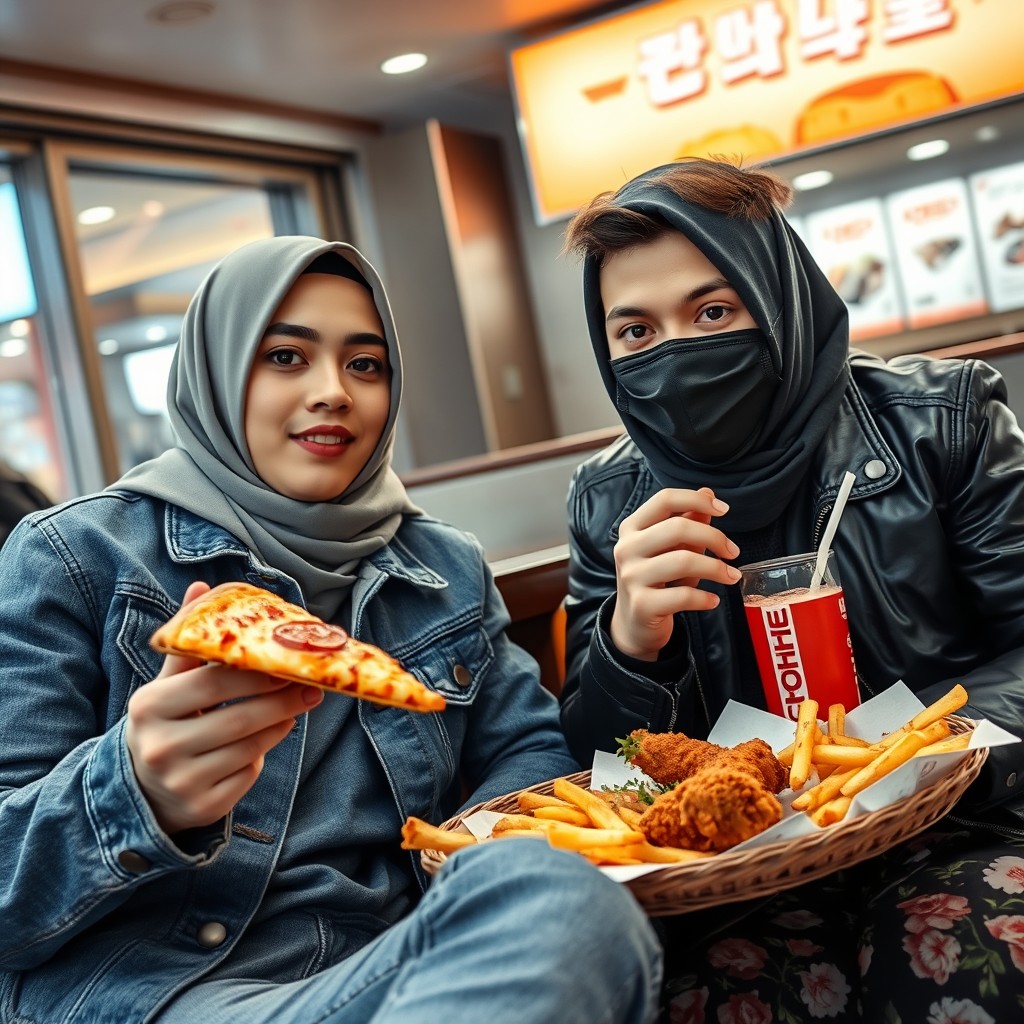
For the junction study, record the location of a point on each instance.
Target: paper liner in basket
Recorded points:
(739, 722)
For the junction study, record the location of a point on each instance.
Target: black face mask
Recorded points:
(708, 396)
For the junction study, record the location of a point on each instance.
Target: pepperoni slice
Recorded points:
(310, 636)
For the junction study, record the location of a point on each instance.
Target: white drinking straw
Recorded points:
(830, 530)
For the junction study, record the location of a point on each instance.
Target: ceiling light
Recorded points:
(18, 328)
(96, 215)
(812, 179)
(987, 133)
(928, 150)
(13, 347)
(108, 346)
(403, 63)
(156, 333)
(153, 208)
(181, 12)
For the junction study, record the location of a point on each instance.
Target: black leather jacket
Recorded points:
(930, 553)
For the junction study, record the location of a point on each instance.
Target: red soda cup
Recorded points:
(800, 633)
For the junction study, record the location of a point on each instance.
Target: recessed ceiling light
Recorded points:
(812, 179)
(928, 150)
(18, 328)
(180, 12)
(13, 347)
(96, 215)
(987, 133)
(156, 333)
(108, 346)
(152, 208)
(403, 63)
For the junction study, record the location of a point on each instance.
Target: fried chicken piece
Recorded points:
(712, 811)
(758, 758)
(670, 757)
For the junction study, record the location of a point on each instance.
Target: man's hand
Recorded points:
(198, 734)
(659, 561)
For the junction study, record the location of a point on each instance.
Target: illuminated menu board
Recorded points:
(851, 245)
(936, 253)
(756, 79)
(998, 197)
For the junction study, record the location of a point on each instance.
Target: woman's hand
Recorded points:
(659, 561)
(198, 734)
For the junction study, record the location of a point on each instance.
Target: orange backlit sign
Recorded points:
(752, 78)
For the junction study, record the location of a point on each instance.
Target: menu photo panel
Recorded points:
(998, 197)
(936, 253)
(852, 247)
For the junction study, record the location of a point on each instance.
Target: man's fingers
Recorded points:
(675, 567)
(676, 501)
(676, 534)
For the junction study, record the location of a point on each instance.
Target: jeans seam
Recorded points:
(354, 994)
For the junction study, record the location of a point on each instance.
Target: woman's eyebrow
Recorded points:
(292, 331)
(714, 285)
(286, 330)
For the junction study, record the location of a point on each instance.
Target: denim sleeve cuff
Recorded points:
(128, 836)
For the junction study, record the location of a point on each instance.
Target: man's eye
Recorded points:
(714, 313)
(636, 331)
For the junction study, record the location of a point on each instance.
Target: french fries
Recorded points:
(846, 765)
(607, 833)
(421, 835)
(803, 744)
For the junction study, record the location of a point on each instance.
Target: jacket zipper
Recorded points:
(819, 525)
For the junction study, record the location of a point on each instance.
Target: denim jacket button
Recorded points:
(133, 862)
(212, 934)
(462, 676)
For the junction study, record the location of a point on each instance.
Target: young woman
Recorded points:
(182, 841)
(726, 351)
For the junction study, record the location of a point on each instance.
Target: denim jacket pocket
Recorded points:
(135, 615)
(456, 664)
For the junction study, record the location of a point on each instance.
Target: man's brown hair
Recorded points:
(602, 227)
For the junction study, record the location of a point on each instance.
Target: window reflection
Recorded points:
(145, 244)
(28, 436)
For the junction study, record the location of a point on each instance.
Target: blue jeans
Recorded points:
(510, 931)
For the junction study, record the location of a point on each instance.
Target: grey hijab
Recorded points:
(210, 472)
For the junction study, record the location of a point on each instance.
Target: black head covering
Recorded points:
(805, 321)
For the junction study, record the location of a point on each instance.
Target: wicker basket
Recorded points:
(764, 870)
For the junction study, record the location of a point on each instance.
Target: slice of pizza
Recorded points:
(248, 627)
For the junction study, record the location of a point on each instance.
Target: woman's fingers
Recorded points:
(200, 687)
(170, 727)
(201, 790)
(175, 663)
(189, 731)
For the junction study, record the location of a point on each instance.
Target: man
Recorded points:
(726, 352)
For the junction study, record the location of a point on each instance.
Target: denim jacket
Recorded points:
(102, 913)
